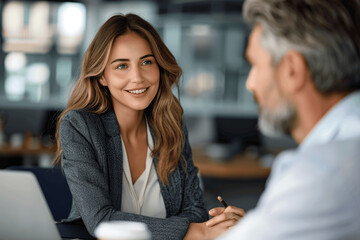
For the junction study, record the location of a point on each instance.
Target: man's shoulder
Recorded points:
(334, 149)
(321, 160)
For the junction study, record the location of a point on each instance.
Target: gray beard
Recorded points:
(278, 122)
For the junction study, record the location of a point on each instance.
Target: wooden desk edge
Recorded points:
(238, 167)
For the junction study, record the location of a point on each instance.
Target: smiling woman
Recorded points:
(131, 74)
(121, 140)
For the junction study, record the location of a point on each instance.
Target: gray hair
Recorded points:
(325, 32)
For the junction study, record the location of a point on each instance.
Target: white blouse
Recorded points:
(144, 196)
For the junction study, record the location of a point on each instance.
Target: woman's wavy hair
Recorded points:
(164, 113)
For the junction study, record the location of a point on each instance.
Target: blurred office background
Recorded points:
(41, 47)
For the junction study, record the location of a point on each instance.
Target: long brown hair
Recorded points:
(164, 113)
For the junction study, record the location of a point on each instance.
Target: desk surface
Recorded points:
(240, 166)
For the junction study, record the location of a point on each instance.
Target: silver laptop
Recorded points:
(24, 213)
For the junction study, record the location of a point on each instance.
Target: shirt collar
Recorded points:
(328, 126)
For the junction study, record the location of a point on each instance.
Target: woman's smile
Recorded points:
(138, 91)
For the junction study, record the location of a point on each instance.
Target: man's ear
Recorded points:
(293, 72)
(102, 81)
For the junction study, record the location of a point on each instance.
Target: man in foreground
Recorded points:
(305, 77)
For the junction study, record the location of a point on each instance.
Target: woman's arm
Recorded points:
(90, 187)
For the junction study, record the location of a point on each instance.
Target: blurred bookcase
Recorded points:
(40, 52)
(42, 44)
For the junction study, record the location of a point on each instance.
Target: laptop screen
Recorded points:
(24, 211)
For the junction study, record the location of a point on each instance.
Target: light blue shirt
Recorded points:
(313, 192)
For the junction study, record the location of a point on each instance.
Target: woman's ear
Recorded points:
(102, 81)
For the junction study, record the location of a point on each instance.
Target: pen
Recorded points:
(221, 200)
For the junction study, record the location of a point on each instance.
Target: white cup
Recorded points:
(122, 230)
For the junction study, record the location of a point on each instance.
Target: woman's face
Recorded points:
(131, 73)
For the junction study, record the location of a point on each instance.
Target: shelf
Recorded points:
(22, 151)
(212, 108)
(51, 103)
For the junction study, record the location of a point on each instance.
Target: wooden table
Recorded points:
(240, 166)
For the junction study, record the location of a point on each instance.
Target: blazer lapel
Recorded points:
(115, 161)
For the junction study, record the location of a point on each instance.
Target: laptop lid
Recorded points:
(24, 213)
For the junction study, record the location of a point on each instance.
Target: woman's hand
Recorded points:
(199, 231)
(227, 217)
(223, 219)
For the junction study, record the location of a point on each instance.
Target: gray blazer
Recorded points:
(92, 163)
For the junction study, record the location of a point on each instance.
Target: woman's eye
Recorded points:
(146, 62)
(122, 66)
